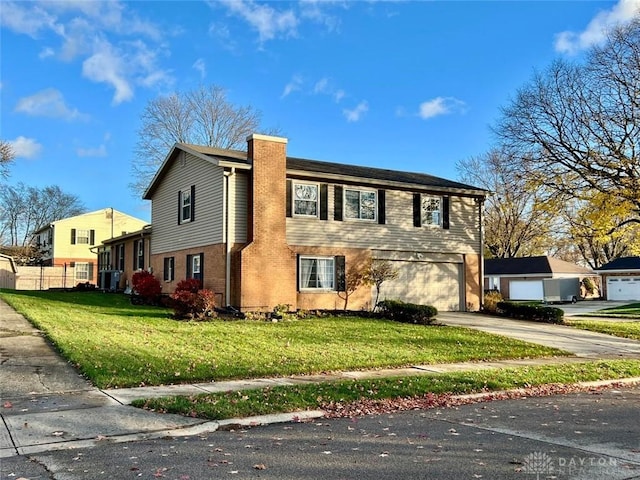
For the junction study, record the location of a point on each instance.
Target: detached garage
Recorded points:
(621, 278)
(432, 283)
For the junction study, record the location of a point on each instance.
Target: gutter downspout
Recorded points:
(229, 231)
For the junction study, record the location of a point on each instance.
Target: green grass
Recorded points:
(624, 311)
(116, 344)
(619, 329)
(280, 399)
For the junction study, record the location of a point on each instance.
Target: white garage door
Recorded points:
(623, 288)
(424, 283)
(526, 290)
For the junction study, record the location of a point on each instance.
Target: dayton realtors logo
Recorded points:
(539, 463)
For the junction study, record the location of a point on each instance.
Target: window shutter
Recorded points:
(288, 198)
(202, 270)
(445, 213)
(165, 271)
(141, 246)
(341, 282)
(189, 266)
(135, 255)
(72, 264)
(381, 207)
(92, 237)
(179, 207)
(337, 203)
(73, 236)
(90, 271)
(193, 203)
(417, 217)
(324, 200)
(298, 271)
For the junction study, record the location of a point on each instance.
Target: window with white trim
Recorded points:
(305, 199)
(360, 204)
(317, 273)
(82, 271)
(82, 236)
(431, 210)
(168, 271)
(185, 206)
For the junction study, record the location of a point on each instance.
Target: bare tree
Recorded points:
(7, 155)
(576, 127)
(24, 210)
(517, 222)
(380, 271)
(203, 117)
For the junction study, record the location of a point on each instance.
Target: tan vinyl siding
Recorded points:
(463, 235)
(240, 202)
(207, 229)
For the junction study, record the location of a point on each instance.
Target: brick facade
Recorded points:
(267, 265)
(472, 282)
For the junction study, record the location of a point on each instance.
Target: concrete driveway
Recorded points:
(587, 306)
(580, 342)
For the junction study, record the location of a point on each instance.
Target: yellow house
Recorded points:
(73, 241)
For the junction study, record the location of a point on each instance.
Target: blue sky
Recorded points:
(411, 86)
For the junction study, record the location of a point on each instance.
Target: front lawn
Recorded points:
(116, 344)
(619, 329)
(631, 310)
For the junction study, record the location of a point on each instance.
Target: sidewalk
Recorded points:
(46, 405)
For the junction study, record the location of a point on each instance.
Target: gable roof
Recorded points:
(624, 263)
(531, 265)
(111, 210)
(317, 169)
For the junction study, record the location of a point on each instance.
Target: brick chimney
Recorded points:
(267, 264)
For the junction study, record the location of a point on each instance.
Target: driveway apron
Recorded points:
(580, 342)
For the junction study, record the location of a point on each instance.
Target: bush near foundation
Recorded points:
(146, 288)
(189, 301)
(491, 300)
(536, 313)
(407, 312)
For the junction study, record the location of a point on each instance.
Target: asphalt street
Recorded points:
(578, 436)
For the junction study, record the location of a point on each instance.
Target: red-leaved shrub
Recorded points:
(192, 302)
(146, 287)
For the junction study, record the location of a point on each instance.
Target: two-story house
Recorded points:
(72, 241)
(262, 229)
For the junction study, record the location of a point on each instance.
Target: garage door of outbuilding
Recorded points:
(426, 283)
(526, 290)
(623, 288)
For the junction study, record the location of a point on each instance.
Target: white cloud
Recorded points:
(295, 84)
(115, 45)
(621, 13)
(269, 22)
(106, 66)
(356, 113)
(339, 95)
(29, 21)
(100, 151)
(321, 85)
(48, 103)
(441, 106)
(25, 147)
(201, 67)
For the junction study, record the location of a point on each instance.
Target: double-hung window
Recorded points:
(305, 199)
(185, 206)
(431, 210)
(82, 236)
(195, 266)
(317, 273)
(168, 271)
(360, 204)
(120, 257)
(82, 271)
(138, 254)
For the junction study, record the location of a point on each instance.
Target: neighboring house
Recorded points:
(72, 242)
(621, 279)
(120, 257)
(261, 229)
(521, 278)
